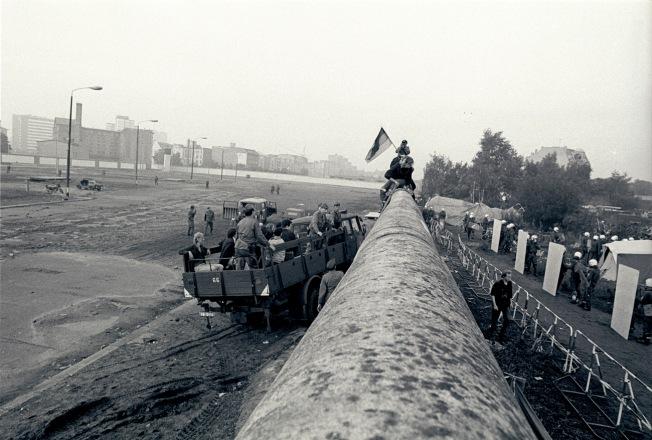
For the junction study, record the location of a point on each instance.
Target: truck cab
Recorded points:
(263, 208)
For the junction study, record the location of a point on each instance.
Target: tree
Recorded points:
(159, 157)
(5, 146)
(445, 178)
(496, 168)
(175, 160)
(616, 190)
(546, 192)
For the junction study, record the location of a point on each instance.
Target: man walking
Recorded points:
(209, 216)
(155, 180)
(501, 297)
(578, 277)
(191, 220)
(329, 282)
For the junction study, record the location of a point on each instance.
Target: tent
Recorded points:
(456, 208)
(636, 254)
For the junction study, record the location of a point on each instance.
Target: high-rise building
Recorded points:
(29, 129)
(122, 122)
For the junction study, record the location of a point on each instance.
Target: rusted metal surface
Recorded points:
(394, 354)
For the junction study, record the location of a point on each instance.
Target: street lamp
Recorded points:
(192, 159)
(70, 135)
(137, 138)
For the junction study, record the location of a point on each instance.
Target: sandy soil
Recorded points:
(177, 380)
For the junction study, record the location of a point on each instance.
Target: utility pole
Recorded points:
(222, 170)
(192, 160)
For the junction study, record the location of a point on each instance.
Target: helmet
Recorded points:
(511, 225)
(631, 239)
(503, 221)
(623, 239)
(614, 237)
(595, 237)
(602, 237)
(556, 229)
(472, 215)
(534, 237)
(648, 282)
(593, 262)
(577, 255)
(486, 215)
(586, 234)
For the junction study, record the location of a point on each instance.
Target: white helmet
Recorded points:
(472, 215)
(593, 262)
(631, 239)
(556, 229)
(602, 237)
(586, 234)
(648, 282)
(624, 239)
(577, 255)
(534, 237)
(595, 237)
(503, 221)
(486, 215)
(511, 225)
(614, 238)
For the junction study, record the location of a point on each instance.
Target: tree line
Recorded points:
(550, 194)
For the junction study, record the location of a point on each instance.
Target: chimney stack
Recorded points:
(78, 114)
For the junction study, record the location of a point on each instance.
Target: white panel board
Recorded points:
(495, 239)
(626, 285)
(519, 265)
(553, 266)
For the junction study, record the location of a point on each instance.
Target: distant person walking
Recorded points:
(501, 297)
(191, 220)
(278, 189)
(329, 282)
(207, 184)
(273, 188)
(155, 180)
(209, 217)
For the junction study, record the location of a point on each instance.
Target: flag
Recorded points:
(382, 143)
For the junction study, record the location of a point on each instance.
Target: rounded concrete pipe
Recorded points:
(394, 354)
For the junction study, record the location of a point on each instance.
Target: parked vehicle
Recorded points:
(290, 287)
(89, 184)
(263, 208)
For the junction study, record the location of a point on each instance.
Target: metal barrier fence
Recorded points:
(549, 332)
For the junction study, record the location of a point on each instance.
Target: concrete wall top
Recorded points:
(394, 354)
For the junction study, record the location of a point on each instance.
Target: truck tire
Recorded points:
(310, 298)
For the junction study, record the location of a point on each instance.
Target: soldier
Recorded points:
(278, 189)
(557, 236)
(191, 220)
(577, 277)
(509, 238)
(319, 223)
(155, 180)
(584, 247)
(329, 282)
(485, 225)
(207, 184)
(465, 220)
(592, 279)
(594, 252)
(503, 235)
(469, 226)
(209, 216)
(249, 236)
(603, 240)
(337, 216)
(531, 254)
(501, 297)
(271, 191)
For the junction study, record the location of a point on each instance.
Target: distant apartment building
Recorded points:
(27, 130)
(245, 158)
(97, 144)
(185, 153)
(564, 155)
(340, 166)
(284, 163)
(319, 168)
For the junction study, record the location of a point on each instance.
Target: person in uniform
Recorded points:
(337, 216)
(209, 217)
(594, 251)
(531, 254)
(557, 236)
(592, 278)
(485, 225)
(249, 236)
(578, 277)
(584, 247)
(329, 282)
(501, 297)
(191, 220)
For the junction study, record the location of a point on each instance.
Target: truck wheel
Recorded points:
(310, 298)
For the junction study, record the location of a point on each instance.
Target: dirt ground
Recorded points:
(171, 378)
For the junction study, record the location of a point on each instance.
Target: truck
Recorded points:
(89, 184)
(263, 208)
(289, 288)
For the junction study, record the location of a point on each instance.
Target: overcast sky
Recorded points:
(281, 76)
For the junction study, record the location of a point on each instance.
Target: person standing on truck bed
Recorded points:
(288, 235)
(249, 235)
(191, 220)
(319, 225)
(329, 282)
(228, 249)
(209, 217)
(277, 256)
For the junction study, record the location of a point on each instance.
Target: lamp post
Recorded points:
(70, 135)
(192, 158)
(137, 139)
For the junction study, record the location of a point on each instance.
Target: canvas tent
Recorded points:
(636, 254)
(455, 209)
